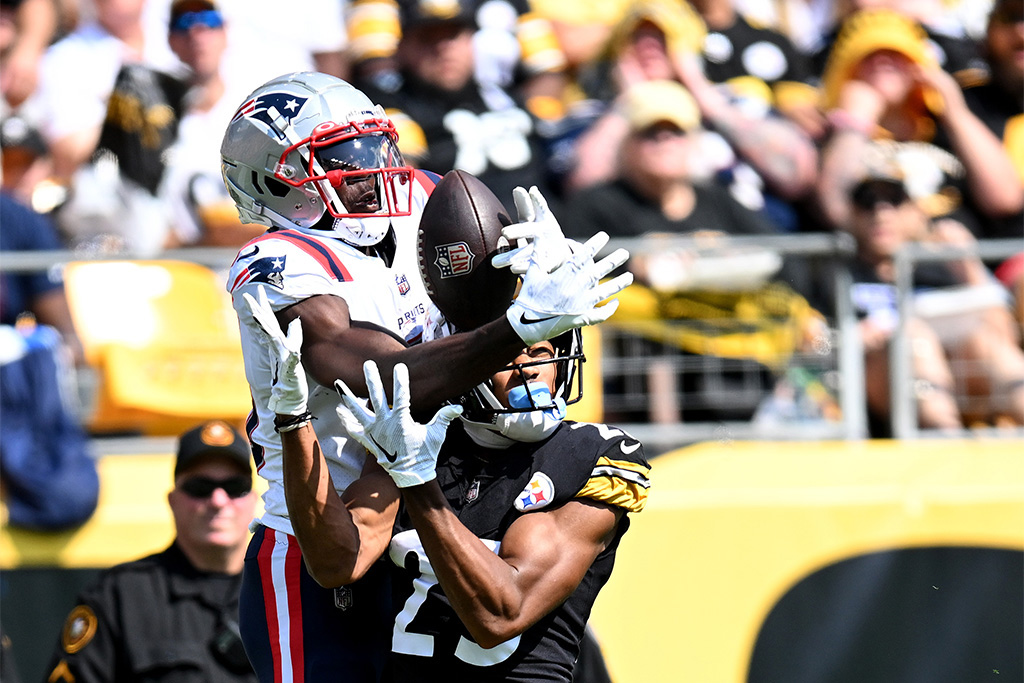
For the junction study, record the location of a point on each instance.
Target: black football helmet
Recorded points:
(532, 421)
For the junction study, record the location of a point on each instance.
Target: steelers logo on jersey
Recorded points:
(79, 628)
(538, 493)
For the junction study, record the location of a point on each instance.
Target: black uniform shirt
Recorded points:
(154, 619)
(488, 491)
(618, 209)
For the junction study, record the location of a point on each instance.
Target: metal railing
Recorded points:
(846, 344)
(903, 399)
(844, 347)
(35, 261)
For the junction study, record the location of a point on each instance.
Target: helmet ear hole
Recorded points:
(276, 187)
(254, 180)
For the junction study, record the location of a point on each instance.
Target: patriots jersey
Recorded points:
(488, 491)
(293, 266)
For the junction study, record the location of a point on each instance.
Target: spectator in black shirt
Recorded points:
(884, 86)
(445, 117)
(972, 369)
(174, 615)
(662, 187)
(767, 161)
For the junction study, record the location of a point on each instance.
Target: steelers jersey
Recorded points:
(482, 131)
(489, 490)
(293, 266)
(758, 64)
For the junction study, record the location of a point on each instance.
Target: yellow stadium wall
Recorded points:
(131, 520)
(729, 529)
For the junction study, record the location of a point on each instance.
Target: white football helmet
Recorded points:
(302, 142)
(534, 414)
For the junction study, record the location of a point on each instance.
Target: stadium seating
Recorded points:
(163, 341)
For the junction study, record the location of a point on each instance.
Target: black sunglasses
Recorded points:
(868, 196)
(203, 487)
(660, 131)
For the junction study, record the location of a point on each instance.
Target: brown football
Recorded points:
(459, 234)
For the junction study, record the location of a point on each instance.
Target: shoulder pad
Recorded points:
(265, 259)
(621, 474)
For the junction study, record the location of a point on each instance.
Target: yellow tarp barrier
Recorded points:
(731, 526)
(131, 520)
(164, 341)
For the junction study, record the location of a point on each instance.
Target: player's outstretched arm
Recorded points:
(335, 348)
(561, 290)
(544, 555)
(340, 538)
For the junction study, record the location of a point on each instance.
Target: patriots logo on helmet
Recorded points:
(269, 269)
(538, 493)
(286, 105)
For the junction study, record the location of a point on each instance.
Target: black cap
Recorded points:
(212, 439)
(416, 13)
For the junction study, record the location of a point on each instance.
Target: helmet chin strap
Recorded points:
(524, 427)
(384, 248)
(357, 227)
(512, 428)
(483, 436)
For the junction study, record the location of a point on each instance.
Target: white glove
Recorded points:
(405, 448)
(537, 234)
(288, 392)
(552, 303)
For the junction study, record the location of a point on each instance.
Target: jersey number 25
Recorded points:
(407, 642)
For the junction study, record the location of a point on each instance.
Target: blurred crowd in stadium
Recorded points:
(730, 122)
(892, 121)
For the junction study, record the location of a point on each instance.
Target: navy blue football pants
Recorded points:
(296, 631)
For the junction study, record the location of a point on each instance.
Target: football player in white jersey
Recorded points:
(314, 160)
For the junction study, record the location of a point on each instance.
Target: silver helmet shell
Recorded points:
(295, 139)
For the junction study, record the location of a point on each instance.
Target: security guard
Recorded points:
(173, 616)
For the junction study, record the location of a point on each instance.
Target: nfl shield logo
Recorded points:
(403, 284)
(343, 597)
(473, 492)
(454, 259)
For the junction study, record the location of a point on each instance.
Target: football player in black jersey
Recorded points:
(509, 529)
